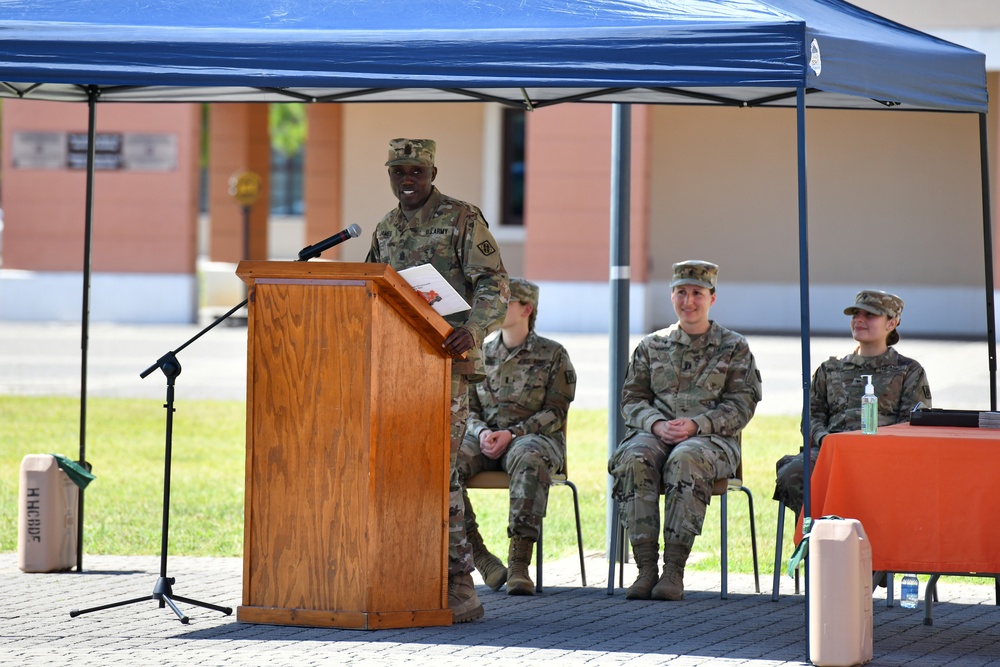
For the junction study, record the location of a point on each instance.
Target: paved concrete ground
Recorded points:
(567, 625)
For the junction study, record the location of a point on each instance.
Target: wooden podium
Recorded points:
(348, 400)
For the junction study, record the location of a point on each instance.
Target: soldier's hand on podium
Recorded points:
(459, 341)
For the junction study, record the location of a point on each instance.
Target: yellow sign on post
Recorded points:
(245, 187)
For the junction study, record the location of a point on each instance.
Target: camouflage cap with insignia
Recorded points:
(524, 291)
(411, 151)
(876, 302)
(695, 272)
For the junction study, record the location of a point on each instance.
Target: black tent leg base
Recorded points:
(163, 593)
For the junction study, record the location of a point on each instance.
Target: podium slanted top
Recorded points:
(397, 291)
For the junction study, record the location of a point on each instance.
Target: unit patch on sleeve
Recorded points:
(486, 248)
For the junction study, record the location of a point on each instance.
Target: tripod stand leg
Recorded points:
(76, 612)
(225, 610)
(164, 599)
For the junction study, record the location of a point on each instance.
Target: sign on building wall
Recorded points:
(112, 151)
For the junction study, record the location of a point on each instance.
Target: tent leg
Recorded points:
(804, 323)
(619, 278)
(88, 233)
(991, 338)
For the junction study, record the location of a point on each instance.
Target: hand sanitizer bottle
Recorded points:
(869, 409)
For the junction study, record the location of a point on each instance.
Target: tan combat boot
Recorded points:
(647, 557)
(492, 568)
(518, 560)
(462, 599)
(671, 584)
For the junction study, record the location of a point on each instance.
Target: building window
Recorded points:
(288, 129)
(286, 183)
(512, 202)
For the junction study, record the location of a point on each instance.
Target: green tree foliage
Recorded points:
(288, 127)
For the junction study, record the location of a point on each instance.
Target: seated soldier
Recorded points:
(689, 391)
(837, 386)
(516, 424)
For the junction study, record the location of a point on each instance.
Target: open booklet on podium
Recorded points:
(438, 292)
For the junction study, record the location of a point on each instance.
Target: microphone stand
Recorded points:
(171, 368)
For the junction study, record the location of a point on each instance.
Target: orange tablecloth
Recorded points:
(927, 496)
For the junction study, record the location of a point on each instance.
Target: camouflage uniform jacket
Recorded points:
(527, 389)
(837, 387)
(453, 236)
(711, 379)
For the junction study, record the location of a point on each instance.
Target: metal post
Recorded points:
(88, 234)
(800, 117)
(621, 158)
(991, 335)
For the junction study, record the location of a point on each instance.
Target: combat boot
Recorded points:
(671, 584)
(492, 568)
(518, 559)
(462, 599)
(647, 557)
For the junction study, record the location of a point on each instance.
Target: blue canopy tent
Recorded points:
(525, 53)
(531, 53)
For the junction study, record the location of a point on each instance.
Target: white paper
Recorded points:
(431, 285)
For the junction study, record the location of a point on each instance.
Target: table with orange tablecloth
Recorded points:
(927, 496)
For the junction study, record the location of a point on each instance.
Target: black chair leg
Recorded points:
(538, 559)
(724, 555)
(579, 532)
(613, 548)
(724, 549)
(579, 541)
(753, 539)
(779, 539)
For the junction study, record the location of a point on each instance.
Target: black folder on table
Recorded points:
(940, 417)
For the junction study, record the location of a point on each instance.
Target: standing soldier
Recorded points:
(689, 391)
(429, 227)
(517, 420)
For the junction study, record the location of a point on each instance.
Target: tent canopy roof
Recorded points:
(529, 53)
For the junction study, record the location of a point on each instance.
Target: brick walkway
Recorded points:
(566, 625)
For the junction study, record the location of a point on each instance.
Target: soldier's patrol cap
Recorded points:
(524, 291)
(411, 151)
(876, 302)
(695, 272)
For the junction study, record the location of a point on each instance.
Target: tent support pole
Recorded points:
(800, 125)
(991, 336)
(621, 166)
(88, 226)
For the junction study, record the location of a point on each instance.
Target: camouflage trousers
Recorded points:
(790, 476)
(642, 466)
(530, 460)
(459, 549)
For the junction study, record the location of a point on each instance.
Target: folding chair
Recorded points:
(619, 545)
(501, 480)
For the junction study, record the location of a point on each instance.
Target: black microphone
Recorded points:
(317, 249)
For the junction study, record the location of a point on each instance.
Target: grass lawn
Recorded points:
(125, 442)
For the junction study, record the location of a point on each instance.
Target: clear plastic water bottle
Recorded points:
(908, 591)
